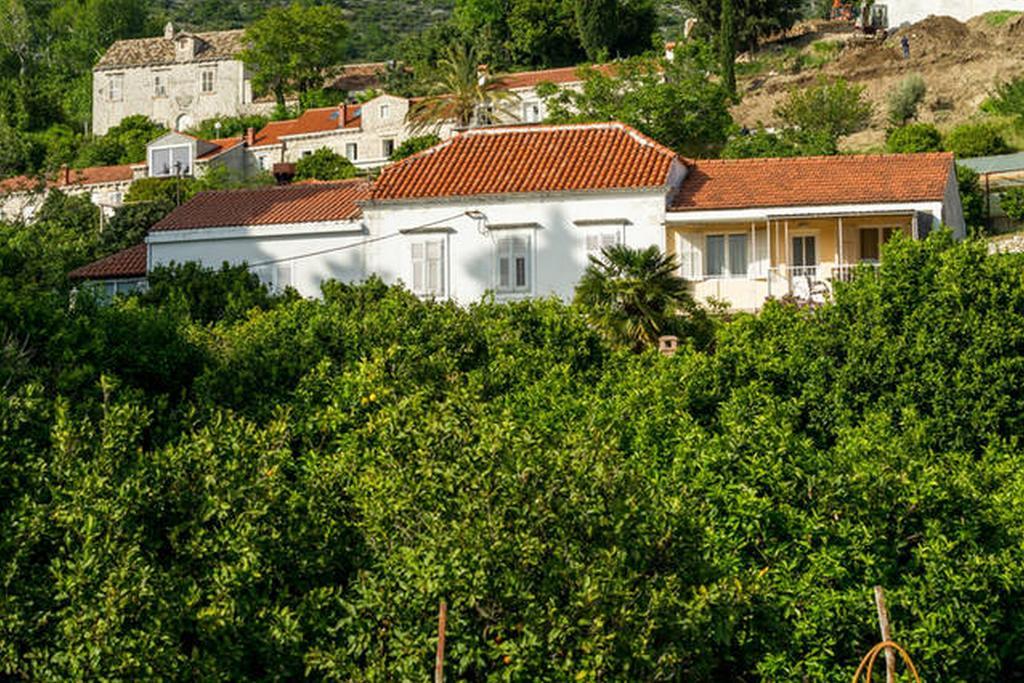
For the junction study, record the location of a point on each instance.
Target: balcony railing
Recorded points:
(845, 272)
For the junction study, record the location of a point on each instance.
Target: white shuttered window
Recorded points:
(513, 264)
(428, 268)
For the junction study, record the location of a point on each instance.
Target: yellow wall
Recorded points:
(749, 293)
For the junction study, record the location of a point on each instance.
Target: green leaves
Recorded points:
(190, 490)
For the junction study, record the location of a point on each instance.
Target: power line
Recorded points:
(365, 242)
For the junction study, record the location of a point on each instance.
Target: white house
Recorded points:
(21, 196)
(895, 13)
(517, 211)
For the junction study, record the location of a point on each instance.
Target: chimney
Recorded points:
(250, 137)
(283, 173)
(65, 175)
(342, 114)
(169, 31)
(667, 345)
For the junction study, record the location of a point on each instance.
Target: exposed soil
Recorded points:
(959, 62)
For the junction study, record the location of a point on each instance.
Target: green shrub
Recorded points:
(1008, 98)
(972, 198)
(835, 108)
(975, 140)
(914, 137)
(1012, 203)
(413, 145)
(324, 164)
(787, 143)
(230, 126)
(905, 98)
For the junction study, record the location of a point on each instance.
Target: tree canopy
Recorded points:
(293, 48)
(672, 101)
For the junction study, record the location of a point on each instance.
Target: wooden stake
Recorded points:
(442, 621)
(883, 623)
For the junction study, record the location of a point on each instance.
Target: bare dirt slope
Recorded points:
(959, 62)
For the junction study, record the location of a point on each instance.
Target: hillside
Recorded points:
(959, 62)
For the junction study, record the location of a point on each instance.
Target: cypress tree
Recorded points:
(596, 25)
(727, 46)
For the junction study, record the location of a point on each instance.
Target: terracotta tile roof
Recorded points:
(559, 76)
(130, 262)
(301, 203)
(811, 181)
(96, 175)
(213, 46)
(221, 145)
(310, 121)
(93, 175)
(541, 158)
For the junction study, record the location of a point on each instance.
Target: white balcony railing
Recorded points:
(845, 272)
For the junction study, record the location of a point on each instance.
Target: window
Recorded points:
(262, 161)
(159, 85)
(170, 161)
(387, 148)
(871, 240)
(725, 255)
(116, 88)
(596, 240)
(428, 268)
(513, 264)
(385, 109)
(276, 276)
(352, 151)
(531, 112)
(804, 258)
(206, 81)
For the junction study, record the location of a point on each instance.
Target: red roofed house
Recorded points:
(21, 196)
(747, 229)
(518, 210)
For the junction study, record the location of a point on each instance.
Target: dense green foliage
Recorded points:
(789, 142)
(755, 19)
(1008, 99)
(905, 98)
(634, 297)
(230, 126)
(291, 49)
(836, 108)
(414, 144)
(727, 46)
(324, 164)
(972, 197)
(976, 140)
(290, 491)
(914, 137)
(1011, 201)
(671, 101)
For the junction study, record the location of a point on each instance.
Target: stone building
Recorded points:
(177, 79)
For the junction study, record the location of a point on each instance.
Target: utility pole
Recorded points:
(442, 621)
(883, 624)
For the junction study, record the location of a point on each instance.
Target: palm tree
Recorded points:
(459, 93)
(634, 296)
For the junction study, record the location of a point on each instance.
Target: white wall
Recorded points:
(211, 247)
(558, 247)
(912, 11)
(557, 242)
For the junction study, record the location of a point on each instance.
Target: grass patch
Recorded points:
(1000, 17)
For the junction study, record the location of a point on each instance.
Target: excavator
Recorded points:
(866, 16)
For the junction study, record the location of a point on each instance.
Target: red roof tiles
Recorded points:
(814, 181)
(490, 161)
(220, 145)
(93, 175)
(302, 203)
(310, 121)
(130, 262)
(559, 76)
